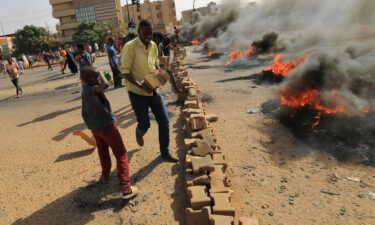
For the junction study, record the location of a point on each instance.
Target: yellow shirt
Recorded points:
(138, 61)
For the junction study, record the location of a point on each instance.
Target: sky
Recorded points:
(15, 14)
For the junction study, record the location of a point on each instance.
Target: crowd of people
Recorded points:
(139, 56)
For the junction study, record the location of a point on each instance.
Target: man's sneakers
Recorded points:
(140, 140)
(170, 158)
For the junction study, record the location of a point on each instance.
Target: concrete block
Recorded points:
(201, 164)
(248, 221)
(198, 217)
(219, 172)
(200, 179)
(157, 78)
(192, 104)
(222, 220)
(219, 159)
(189, 143)
(218, 186)
(207, 135)
(212, 117)
(202, 149)
(221, 204)
(198, 122)
(198, 197)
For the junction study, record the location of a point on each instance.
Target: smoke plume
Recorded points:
(300, 24)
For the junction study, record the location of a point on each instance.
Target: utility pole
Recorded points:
(194, 6)
(2, 28)
(127, 9)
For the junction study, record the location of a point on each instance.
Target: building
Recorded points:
(6, 45)
(210, 9)
(73, 12)
(162, 14)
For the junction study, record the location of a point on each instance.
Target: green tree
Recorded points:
(87, 33)
(30, 40)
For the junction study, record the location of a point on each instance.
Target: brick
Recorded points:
(207, 135)
(198, 122)
(212, 117)
(222, 220)
(189, 143)
(202, 150)
(192, 104)
(219, 172)
(221, 204)
(189, 158)
(219, 159)
(248, 221)
(189, 111)
(157, 78)
(200, 179)
(201, 164)
(198, 217)
(218, 186)
(198, 197)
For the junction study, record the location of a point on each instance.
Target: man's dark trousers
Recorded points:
(141, 105)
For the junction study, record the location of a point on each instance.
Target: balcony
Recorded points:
(68, 25)
(63, 12)
(55, 2)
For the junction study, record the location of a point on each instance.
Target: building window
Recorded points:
(139, 17)
(86, 14)
(159, 15)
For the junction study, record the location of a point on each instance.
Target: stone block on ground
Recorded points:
(189, 111)
(248, 221)
(200, 179)
(222, 220)
(218, 172)
(218, 186)
(207, 135)
(198, 217)
(221, 204)
(189, 143)
(198, 122)
(219, 159)
(212, 117)
(198, 197)
(194, 104)
(201, 164)
(202, 149)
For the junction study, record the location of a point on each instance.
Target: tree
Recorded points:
(112, 28)
(30, 40)
(87, 33)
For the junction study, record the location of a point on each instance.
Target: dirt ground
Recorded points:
(278, 178)
(48, 176)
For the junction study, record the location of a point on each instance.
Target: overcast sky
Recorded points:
(14, 14)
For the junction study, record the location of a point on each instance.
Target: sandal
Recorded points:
(132, 194)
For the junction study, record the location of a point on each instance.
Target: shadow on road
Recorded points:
(50, 116)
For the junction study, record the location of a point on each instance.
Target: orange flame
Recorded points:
(236, 55)
(211, 52)
(195, 42)
(283, 68)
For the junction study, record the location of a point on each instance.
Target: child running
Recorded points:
(97, 114)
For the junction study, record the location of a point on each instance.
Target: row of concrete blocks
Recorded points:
(206, 179)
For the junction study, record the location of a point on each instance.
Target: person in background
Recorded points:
(113, 62)
(139, 58)
(166, 45)
(20, 65)
(83, 58)
(177, 34)
(158, 39)
(98, 117)
(13, 72)
(64, 61)
(96, 49)
(130, 36)
(47, 58)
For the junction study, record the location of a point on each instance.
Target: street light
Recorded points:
(194, 6)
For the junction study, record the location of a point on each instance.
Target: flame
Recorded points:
(236, 55)
(283, 68)
(211, 52)
(195, 42)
